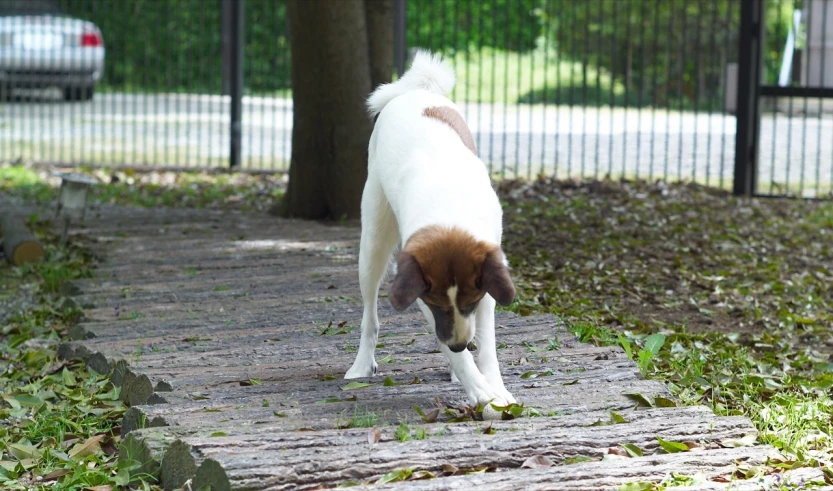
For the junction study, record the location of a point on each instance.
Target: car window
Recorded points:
(29, 7)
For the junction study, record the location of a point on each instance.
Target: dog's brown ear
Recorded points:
(409, 282)
(495, 279)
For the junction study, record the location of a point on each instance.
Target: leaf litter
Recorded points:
(727, 300)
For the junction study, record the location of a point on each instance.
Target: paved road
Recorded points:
(193, 130)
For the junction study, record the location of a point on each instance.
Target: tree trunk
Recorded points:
(335, 65)
(379, 18)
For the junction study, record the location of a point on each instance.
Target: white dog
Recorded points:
(429, 194)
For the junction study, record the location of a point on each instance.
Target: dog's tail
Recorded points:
(428, 72)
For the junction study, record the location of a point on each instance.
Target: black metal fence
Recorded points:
(590, 88)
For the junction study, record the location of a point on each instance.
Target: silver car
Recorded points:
(41, 48)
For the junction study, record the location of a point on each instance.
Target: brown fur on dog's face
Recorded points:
(450, 271)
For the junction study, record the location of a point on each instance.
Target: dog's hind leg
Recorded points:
(380, 235)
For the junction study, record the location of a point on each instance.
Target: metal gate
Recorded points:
(735, 94)
(758, 161)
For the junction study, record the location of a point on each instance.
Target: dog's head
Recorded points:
(451, 272)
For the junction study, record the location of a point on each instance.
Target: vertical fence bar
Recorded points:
(559, 48)
(532, 101)
(626, 76)
(599, 52)
(504, 114)
(166, 88)
(822, 81)
(544, 99)
(668, 73)
(696, 90)
(809, 6)
(612, 88)
(399, 36)
(286, 113)
(455, 48)
(726, 48)
(584, 90)
(480, 42)
(235, 61)
(570, 90)
(466, 45)
(748, 112)
(681, 91)
(654, 87)
(640, 94)
(712, 57)
(772, 154)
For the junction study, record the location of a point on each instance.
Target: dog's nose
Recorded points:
(457, 347)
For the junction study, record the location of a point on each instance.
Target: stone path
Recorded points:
(230, 333)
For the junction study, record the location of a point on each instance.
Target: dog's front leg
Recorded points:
(477, 388)
(378, 241)
(484, 338)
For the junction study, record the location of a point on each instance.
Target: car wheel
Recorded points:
(78, 93)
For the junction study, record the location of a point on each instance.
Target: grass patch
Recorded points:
(536, 76)
(738, 290)
(58, 419)
(195, 189)
(361, 418)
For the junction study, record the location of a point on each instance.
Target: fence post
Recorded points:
(226, 6)
(400, 48)
(748, 91)
(233, 25)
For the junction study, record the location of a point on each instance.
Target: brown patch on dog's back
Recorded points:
(452, 118)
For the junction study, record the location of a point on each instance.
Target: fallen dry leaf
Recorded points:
(538, 461)
(56, 474)
(693, 445)
(373, 436)
(108, 446)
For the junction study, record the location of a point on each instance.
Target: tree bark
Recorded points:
(333, 71)
(379, 18)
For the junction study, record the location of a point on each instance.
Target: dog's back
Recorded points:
(424, 154)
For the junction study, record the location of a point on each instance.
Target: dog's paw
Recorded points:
(485, 394)
(497, 385)
(507, 396)
(504, 398)
(361, 370)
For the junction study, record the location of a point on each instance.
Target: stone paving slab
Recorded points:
(229, 335)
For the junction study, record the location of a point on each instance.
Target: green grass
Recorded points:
(501, 76)
(104, 150)
(361, 418)
(58, 417)
(739, 290)
(197, 189)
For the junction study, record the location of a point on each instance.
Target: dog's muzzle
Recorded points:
(457, 348)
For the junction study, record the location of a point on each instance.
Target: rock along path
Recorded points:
(229, 335)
